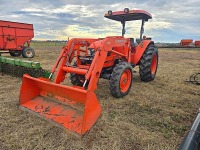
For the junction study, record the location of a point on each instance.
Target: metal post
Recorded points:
(142, 29)
(123, 28)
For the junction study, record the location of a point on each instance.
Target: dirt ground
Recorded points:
(155, 115)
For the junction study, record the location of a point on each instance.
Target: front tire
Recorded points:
(149, 64)
(28, 52)
(77, 79)
(121, 80)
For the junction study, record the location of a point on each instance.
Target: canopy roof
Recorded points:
(131, 15)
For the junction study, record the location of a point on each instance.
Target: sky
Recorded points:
(172, 20)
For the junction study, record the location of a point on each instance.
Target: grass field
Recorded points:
(37, 44)
(155, 115)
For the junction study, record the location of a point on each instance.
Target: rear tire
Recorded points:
(121, 80)
(149, 64)
(15, 53)
(28, 52)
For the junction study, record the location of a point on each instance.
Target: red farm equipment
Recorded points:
(186, 42)
(76, 107)
(197, 43)
(14, 36)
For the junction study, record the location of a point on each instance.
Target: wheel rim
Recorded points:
(125, 80)
(29, 53)
(154, 64)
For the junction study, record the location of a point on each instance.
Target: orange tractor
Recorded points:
(76, 106)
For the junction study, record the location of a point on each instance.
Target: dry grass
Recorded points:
(154, 115)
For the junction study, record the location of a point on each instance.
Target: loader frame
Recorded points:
(76, 107)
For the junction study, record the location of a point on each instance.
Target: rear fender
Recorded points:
(135, 57)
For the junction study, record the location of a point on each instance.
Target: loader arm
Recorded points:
(99, 60)
(93, 73)
(66, 56)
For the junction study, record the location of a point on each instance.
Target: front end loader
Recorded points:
(75, 107)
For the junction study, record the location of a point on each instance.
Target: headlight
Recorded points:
(110, 12)
(126, 10)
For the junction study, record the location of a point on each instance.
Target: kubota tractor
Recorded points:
(76, 107)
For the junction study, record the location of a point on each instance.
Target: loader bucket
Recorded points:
(73, 108)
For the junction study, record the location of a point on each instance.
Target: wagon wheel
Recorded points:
(15, 53)
(28, 52)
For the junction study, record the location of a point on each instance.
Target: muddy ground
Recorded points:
(155, 115)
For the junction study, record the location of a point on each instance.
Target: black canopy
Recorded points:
(131, 15)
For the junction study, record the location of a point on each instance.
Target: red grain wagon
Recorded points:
(14, 36)
(186, 42)
(197, 43)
